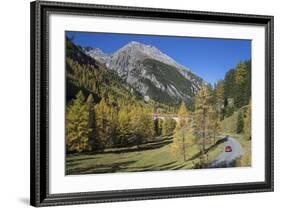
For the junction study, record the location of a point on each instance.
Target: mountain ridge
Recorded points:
(130, 63)
(148, 50)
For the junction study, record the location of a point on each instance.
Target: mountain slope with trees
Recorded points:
(234, 91)
(97, 100)
(104, 112)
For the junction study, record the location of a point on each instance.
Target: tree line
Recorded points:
(234, 91)
(94, 126)
(196, 129)
(103, 112)
(111, 122)
(200, 127)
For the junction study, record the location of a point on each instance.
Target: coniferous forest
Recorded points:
(155, 116)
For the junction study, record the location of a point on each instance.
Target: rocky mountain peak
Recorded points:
(135, 48)
(149, 71)
(97, 54)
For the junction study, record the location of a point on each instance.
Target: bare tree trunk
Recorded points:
(183, 148)
(204, 130)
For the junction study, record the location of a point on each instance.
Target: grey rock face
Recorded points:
(97, 54)
(128, 63)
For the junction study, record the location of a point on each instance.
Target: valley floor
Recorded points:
(155, 159)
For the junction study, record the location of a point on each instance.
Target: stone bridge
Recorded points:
(167, 116)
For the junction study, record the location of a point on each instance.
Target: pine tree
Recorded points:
(77, 125)
(113, 123)
(169, 126)
(183, 115)
(203, 111)
(230, 84)
(248, 81)
(214, 124)
(219, 99)
(179, 143)
(241, 83)
(141, 124)
(247, 122)
(148, 124)
(134, 115)
(92, 122)
(106, 124)
(240, 123)
(183, 139)
(145, 125)
(124, 127)
(158, 127)
(180, 133)
(230, 91)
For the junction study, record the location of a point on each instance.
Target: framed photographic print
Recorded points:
(132, 103)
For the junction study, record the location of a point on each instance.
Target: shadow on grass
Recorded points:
(74, 160)
(178, 167)
(167, 166)
(100, 168)
(220, 141)
(120, 167)
(136, 148)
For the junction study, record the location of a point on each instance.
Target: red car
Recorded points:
(228, 149)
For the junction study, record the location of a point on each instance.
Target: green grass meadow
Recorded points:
(157, 155)
(134, 161)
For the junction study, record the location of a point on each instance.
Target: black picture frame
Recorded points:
(39, 176)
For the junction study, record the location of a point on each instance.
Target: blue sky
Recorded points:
(209, 58)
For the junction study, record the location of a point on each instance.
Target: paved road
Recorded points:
(227, 159)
